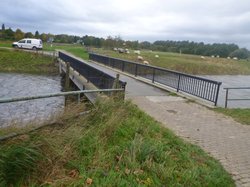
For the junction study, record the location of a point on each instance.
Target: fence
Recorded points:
(235, 99)
(197, 86)
(98, 78)
(16, 99)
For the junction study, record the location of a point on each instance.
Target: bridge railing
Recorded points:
(193, 85)
(98, 78)
(235, 99)
(48, 95)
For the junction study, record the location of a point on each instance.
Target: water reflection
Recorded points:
(25, 112)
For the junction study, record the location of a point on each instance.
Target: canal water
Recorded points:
(233, 81)
(28, 112)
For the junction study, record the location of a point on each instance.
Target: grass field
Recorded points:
(240, 115)
(23, 62)
(75, 49)
(114, 145)
(192, 64)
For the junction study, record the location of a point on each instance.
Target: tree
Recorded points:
(18, 34)
(29, 35)
(145, 45)
(37, 34)
(3, 27)
(242, 53)
(43, 37)
(9, 34)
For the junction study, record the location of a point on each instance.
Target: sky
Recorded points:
(209, 21)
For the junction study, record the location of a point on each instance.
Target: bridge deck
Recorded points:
(222, 137)
(133, 87)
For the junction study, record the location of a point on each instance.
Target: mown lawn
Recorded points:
(25, 62)
(114, 145)
(240, 115)
(192, 64)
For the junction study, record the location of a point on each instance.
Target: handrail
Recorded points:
(160, 68)
(235, 99)
(197, 86)
(16, 99)
(97, 77)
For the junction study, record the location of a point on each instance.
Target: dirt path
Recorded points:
(222, 137)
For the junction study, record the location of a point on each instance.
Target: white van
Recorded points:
(29, 43)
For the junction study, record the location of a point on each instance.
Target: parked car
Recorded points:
(29, 43)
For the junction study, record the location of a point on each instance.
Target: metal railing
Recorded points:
(235, 99)
(98, 78)
(16, 99)
(193, 85)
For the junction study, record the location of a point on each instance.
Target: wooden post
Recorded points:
(60, 66)
(116, 85)
(67, 76)
(116, 82)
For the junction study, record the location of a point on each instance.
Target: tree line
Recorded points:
(185, 47)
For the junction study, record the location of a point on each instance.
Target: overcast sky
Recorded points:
(222, 21)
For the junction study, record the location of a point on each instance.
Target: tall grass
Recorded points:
(17, 162)
(117, 145)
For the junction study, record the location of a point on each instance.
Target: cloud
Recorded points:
(209, 21)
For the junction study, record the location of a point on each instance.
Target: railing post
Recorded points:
(136, 69)
(226, 98)
(113, 65)
(153, 79)
(123, 64)
(178, 85)
(67, 76)
(217, 94)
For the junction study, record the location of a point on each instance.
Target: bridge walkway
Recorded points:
(223, 138)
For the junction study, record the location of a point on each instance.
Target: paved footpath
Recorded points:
(222, 137)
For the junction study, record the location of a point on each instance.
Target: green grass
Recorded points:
(114, 145)
(240, 115)
(76, 49)
(24, 62)
(5, 43)
(192, 64)
(16, 163)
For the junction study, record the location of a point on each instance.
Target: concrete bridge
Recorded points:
(223, 138)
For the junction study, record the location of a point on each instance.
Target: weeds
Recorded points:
(117, 145)
(17, 162)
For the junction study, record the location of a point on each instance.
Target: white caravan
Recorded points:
(29, 43)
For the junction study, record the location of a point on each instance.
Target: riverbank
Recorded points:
(17, 61)
(116, 144)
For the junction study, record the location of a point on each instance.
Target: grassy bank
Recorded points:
(24, 62)
(76, 49)
(114, 145)
(240, 115)
(192, 64)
